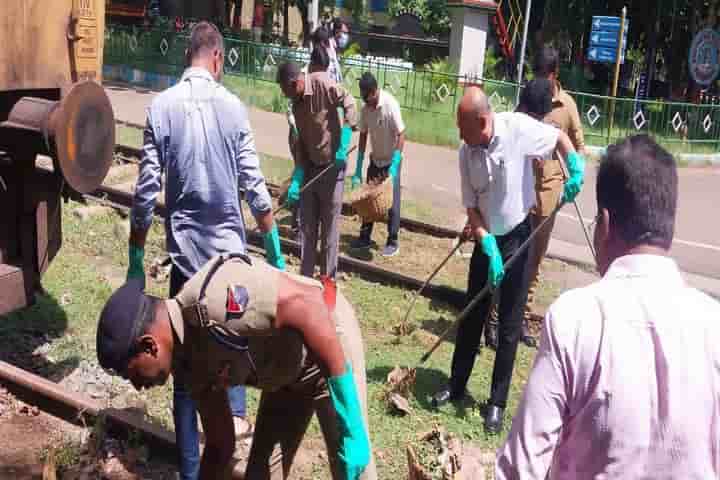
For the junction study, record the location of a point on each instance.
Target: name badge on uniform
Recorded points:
(237, 301)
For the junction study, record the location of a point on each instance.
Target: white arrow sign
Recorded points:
(597, 23)
(593, 53)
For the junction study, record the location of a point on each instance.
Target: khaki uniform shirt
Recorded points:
(549, 175)
(318, 120)
(242, 344)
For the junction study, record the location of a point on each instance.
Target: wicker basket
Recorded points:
(373, 201)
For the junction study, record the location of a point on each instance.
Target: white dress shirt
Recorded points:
(499, 180)
(626, 382)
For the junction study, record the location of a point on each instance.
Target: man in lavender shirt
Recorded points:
(626, 382)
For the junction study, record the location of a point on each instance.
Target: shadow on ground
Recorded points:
(428, 381)
(25, 336)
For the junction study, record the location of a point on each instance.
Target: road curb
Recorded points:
(692, 159)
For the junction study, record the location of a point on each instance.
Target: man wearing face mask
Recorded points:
(198, 136)
(322, 39)
(341, 34)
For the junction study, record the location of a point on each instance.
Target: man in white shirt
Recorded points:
(498, 191)
(626, 382)
(381, 119)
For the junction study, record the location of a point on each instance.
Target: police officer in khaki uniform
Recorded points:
(239, 322)
(549, 177)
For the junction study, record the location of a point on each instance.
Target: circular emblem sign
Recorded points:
(704, 62)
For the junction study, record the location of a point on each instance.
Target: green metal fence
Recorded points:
(428, 98)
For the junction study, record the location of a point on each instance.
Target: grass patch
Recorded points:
(428, 127)
(130, 136)
(432, 122)
(379, 308)
(78, 283)
(64, 454)
(276, 169)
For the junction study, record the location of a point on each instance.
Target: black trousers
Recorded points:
(366, 229)
(513, 295)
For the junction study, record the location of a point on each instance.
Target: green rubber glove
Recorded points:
(342, 151)
(496, 270)
(576, 170)
(395, 164)
(354, 451)
(272, 249)
(293, 195)
(357, 178)
(136, 257)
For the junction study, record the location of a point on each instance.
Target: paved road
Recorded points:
(431, 174)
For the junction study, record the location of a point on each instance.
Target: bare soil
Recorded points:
(25, 435)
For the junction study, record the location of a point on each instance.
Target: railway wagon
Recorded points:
(57, 130)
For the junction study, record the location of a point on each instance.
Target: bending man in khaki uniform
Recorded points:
(301, 348)
(549, 177)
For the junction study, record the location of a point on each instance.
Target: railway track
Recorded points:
(132, 154)
(76, 408)
(122, 199)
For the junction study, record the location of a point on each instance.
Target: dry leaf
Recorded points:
(400, 403)
(65, 299)
(401, 380)
(160, 269)
(439, 456)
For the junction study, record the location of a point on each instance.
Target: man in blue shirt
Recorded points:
(198, 136)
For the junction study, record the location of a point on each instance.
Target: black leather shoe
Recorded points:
(491, 336)
(527, 337)
(444, 396)
(494, 419)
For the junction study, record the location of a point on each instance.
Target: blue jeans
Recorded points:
(185, 411)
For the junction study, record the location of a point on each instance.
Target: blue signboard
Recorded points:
(603, 55)
(606, 23)
(604, 40)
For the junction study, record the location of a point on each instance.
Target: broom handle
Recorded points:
(432, 275)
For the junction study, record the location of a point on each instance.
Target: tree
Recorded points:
(663, 32)
(433, 14)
